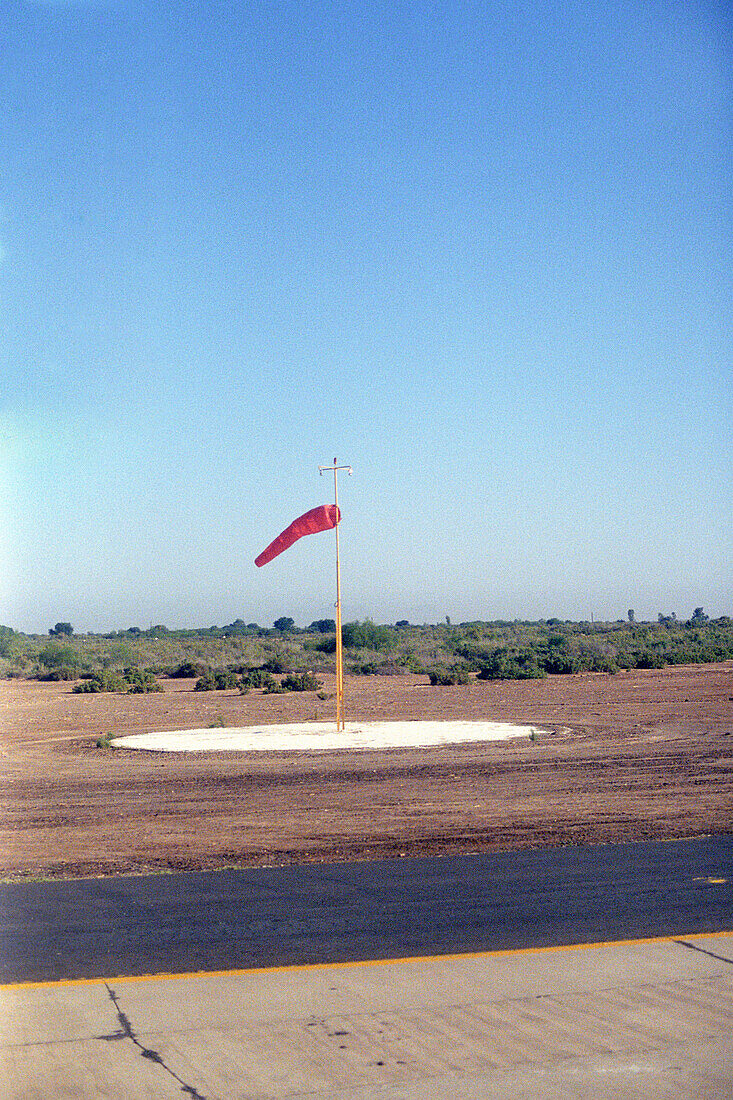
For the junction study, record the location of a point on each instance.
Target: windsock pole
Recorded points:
(339, 641)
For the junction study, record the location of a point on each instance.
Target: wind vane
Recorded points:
(322, 518)
(339, 639)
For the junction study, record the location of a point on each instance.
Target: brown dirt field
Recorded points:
(637, 756)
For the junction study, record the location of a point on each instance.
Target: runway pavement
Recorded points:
(341, 912)
(521, 1016)
(621, 1021)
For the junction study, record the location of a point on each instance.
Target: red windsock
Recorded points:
(322, 518)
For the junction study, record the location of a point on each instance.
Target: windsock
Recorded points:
(322, 518)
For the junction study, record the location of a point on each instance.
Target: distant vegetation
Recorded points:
(244, 656)
(133, 681)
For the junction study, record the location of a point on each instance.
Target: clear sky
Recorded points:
(478, 250)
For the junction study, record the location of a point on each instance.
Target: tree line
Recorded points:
(445, 652)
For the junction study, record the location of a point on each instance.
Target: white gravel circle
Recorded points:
(315, 736)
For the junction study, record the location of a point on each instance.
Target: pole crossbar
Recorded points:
(340, 725)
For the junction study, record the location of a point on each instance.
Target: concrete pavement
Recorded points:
(625, 1020)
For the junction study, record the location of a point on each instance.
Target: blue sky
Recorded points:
(480, 251)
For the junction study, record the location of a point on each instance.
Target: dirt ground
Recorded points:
(646, 754)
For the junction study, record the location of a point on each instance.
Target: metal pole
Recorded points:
(340, 724)
(339, 639)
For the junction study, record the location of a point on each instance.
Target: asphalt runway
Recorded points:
(390, 909)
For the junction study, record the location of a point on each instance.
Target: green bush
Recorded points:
(67, 629)
(306, 681)
(268, 683)
(273, 687)
(367, 635)
(380, 666)
(187, 670)
(323, 626)
(275, 664)
(7, 635)
(255, 677)
(225, 679)
(207, 682)
(444, 677)
(284, 624)
(598, 662)
(505, 665)
(88, 687)
(140, 681)
(559, 664)
(59, 656)
(366, 668)
(559, 647)
(64, 672)
(106, 680)
(648, 659)
(123, 653)
(217, 679)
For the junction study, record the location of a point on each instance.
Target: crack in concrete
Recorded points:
(126, 1031)
(710, 954)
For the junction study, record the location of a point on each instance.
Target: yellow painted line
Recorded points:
(410, 959)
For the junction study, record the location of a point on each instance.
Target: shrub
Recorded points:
(123, 653)
(111, 681)
(444, 677)
(366, 668)
(140, 681)
(273, 687)
(275, 664)
(64, 672)
(598, 662)
(205, 682)
(559, 664)
(88, 687)
(367, 635)
(239, 628)
(519, 665)
(254, 677)
(268, 683)
(58, 656)
(217, 679)
(7, 634)
(284, 624)
(381, 667)
(474, 655)
(67, 629)
(323, 626)
(306, 681)
(105, 680)
(648, 659)
(188, 670)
